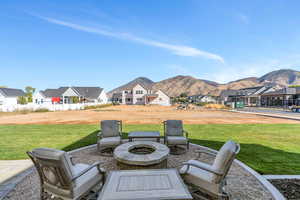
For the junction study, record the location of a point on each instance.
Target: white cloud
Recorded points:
(179, 50)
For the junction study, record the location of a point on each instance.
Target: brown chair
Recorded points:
(61, 178)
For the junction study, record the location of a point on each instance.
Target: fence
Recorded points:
(50, 107)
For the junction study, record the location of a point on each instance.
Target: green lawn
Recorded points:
(269, 149)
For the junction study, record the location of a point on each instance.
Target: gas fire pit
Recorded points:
(142, 154)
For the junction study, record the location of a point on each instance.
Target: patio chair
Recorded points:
(61, 178)
(110, 135)
(211, 179)
(174, 134)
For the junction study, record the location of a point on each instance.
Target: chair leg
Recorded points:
(43, 194)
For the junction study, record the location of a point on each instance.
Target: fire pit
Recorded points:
(141, 154)
(142, 150)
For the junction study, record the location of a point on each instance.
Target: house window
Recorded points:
(139, 92)
(42, 100)
(36, 101)
(128, 99)
(139, 99)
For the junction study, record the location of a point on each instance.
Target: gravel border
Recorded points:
(289, 187)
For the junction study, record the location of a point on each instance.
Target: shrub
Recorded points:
(42, 110)
(97, 106)
(201, 103)
(215, 106)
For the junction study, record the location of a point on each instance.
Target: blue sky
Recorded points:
(47, 44)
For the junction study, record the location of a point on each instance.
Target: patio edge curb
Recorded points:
(272, 177)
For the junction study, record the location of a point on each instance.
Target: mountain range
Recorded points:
(177, 85)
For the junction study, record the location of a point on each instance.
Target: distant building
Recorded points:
(248, 96)
(9, 96)
(202, 99)
(70, 95)
(281, 98)
(139, 94)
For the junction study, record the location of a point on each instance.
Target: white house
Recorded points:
(9, 96)
(202, 99)
(161, 99)
(70, 95)
(139, 94)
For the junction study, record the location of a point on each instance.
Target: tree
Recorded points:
(29, 93)
(22, 100)
(75, 99)
(183, 95)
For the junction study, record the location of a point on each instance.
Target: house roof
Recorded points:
(226, 93)
(145, 86)
(54, 92)
(11, 92)
(284, 91)
(87, 92)
(252, 88)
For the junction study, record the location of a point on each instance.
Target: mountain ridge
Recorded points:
(176, 85)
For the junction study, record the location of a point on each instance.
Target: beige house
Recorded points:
(139, 94)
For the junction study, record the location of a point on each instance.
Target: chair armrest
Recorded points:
(206, 151)
(97, 164)
(204, 167)
(121, 128)
(186, 133)
(99, 135)
(71, 158)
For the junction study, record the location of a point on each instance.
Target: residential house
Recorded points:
(253, 95)
(9, 96)
(228, 96)
(202, 99)
(70, 95)
(248, 96)
(140, 94)
(281, 98)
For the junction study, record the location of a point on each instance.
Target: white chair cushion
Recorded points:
(110, 128)
(174, 128)
(223, 157)
(176, 140)
(110, 141)
(85, 182)
(199, 177)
